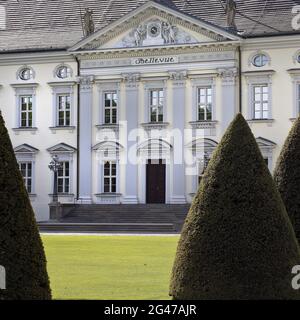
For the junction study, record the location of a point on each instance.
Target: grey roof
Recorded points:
(56, 24)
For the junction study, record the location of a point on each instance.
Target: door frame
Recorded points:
(162, 162)
(142, 190)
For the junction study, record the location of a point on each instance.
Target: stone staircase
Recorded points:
(147, 218)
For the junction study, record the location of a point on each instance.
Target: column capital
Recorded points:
(228, 75)
(178, 77)
(86, 82)
(131, 79)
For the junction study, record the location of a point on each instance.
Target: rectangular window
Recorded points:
(156, 105)
(204, 101)
(26, 171)
(63, 110)
(63, 178)
(298, 98)
(261, 101)
(110, 177)
(110, 107)
(25, 111)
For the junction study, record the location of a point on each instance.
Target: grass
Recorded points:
(110, 267)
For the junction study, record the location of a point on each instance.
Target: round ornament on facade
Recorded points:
(26, 74)
(63, 72)
(260, 60)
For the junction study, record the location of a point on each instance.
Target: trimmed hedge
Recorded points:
(287, 176)
(237, 241)
(21, 249)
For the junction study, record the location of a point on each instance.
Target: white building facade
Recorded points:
(135, 110)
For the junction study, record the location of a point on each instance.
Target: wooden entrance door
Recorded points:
(156, 181)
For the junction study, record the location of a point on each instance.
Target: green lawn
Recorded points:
(109, 267)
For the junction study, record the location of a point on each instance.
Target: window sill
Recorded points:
(108, 194)
(60, 128)
(261, 120)
(155, 125)
(32, 130)
(108, 126)
(63, 195)
(211, 124)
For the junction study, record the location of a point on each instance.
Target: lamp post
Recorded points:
(54, 166)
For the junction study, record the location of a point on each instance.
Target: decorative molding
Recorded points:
(86, 82)
(131, 80)
(228, 75)
(203, 124)
(145, 12)
(61, 148)
(155, 126)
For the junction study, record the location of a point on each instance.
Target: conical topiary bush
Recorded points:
(21, 250)
(237, 241)
(287, 176)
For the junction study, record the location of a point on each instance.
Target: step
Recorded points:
(107, 227)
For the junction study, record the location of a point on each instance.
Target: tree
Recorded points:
(237, 241)
(21, 250)
(287, 176)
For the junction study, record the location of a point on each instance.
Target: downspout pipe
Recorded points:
(78, 129)
(240, 80)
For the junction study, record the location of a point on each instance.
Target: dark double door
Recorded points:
(156, 181)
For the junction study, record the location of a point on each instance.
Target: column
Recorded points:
(132, 107)
(178, 92)
(229, 97)
(85, 139)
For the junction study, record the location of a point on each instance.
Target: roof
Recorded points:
(56, 24)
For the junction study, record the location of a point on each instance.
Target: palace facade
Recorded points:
(134, 108)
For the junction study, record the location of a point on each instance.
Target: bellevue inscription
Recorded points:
(154, 60)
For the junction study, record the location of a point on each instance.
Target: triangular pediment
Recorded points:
(265, 143)
(61, 148)
(25, 148)
(154, 24)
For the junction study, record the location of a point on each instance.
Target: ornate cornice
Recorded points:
(142, 17)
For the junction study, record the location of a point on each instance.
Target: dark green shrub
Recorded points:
(237, 241)
(21, 249)
(287, 176)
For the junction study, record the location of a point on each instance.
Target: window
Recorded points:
(63, 72)
(260, 60)
(26, 171)
(25, 74)
(63, 178)
(261, 101)
(298, 98)
(63, 110)
(156, 105)
(110, 177)
(204, 104)
(110, 107)
(25, 111)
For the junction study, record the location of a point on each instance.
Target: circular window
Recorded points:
(63, 72)
(298, 58)
(154, 29)
(260, 60)
(26, 74)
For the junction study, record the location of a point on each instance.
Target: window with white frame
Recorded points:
(63, 110)
(261, 101)
(298, 99)
(63, 178)
(110, 107)
(204, 103)
(156, 105)
(110, 177)
(26, 171)
(26, 111)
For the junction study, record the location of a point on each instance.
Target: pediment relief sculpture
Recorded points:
(156, 32)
